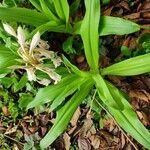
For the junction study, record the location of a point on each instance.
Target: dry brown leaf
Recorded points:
(88, 127)
(75, 117)
(124, 4)
(67, 143)
(95, 141)
(109, 124)
(133, 16)
(84, 144)
(72, 130)
(32, 129)
(143, 117)
(123, 141)
(5, 111)
(80, 59)
(108, 11)
(12, 130)
(140, 94)
(15, 147)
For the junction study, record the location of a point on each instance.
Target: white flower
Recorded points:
(56, 77)
(31, 74)
(21, 37)
(57, 61)
(45, 82)
(9, 29)
(34, 42)
(51, 72)
(33, 55)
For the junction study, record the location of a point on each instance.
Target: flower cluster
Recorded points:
(33, 55)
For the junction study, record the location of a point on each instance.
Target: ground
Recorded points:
(89, 128)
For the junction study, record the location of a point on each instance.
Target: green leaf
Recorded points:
(9, 3)
(6, 82)
(68, 46)
(65, 114)
(89, 32)
(144, 40)
(7, 58)
(105, 94)
(13, 109)
(125, 51)
(62, 9)
(128, 119)
(36, 4)
(105, 2)
(133, 66)
(23, 15)
(47, 11)
(48, 26)
(49, 93)
(118, 26)
(21, 83)
(66, 91)
(74, 68)
(112, 26)
(24, 100)
(74, 6)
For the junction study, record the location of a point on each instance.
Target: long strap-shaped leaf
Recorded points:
(128, 119)
(89, 32)
(49, 26)
(48, 94)
(105, 94)
(74, 68)
(62, 9)
(23, 15)
(68, 90)
(36, 4)
(47, 11)
(110, 26)
(118, 26)
(7, 58)
(65, 114)
(133, 66)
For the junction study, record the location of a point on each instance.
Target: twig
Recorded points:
(93, 97)
(8, 137)
(145, 27)
(117, 125)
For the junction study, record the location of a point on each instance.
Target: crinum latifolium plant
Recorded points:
(32, 55)
(78, 83)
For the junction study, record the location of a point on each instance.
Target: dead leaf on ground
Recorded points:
(11, 130)
(75, 117)
(5, 111)
(84, 144)
(88, 127)
(123, 140)
(95, 141)
(67, 142)
(108, 11)
(15, 147)
(143, 117)
(140, 94)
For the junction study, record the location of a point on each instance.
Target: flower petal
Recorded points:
(56, 61)
(45, 82)
(35, 41)
(21, 37)
(51, 72)
(9, 29)
(56, 77)
(31, 74)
